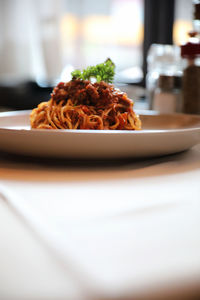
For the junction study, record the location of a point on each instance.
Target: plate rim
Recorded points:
(101, 132)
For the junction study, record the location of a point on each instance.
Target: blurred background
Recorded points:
(42, 41)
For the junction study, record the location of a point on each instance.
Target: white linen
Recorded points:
(124, 227)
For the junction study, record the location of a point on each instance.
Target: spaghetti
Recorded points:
(80, 104)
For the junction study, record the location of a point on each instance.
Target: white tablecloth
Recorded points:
(104, 229)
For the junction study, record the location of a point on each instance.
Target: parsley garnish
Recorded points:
(102, 72)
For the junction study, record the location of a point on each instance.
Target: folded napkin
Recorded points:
(123, 229)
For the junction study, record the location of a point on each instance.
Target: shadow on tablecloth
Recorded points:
(16, 167)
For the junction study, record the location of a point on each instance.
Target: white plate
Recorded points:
(161, 135)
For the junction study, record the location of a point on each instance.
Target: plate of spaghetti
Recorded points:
(86, 119)
(80, 104)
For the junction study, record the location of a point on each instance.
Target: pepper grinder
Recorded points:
(190, 53)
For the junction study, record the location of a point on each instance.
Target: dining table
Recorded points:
(100, 228)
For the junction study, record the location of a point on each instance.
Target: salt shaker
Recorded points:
(161, 60)
(167, 96)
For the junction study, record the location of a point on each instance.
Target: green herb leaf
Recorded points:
(102, 72)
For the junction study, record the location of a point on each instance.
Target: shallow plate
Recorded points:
(161, 135)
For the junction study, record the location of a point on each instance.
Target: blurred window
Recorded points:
(41, 37)
(182, 20)
(110, 28)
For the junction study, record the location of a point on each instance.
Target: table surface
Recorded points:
(143, 217)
